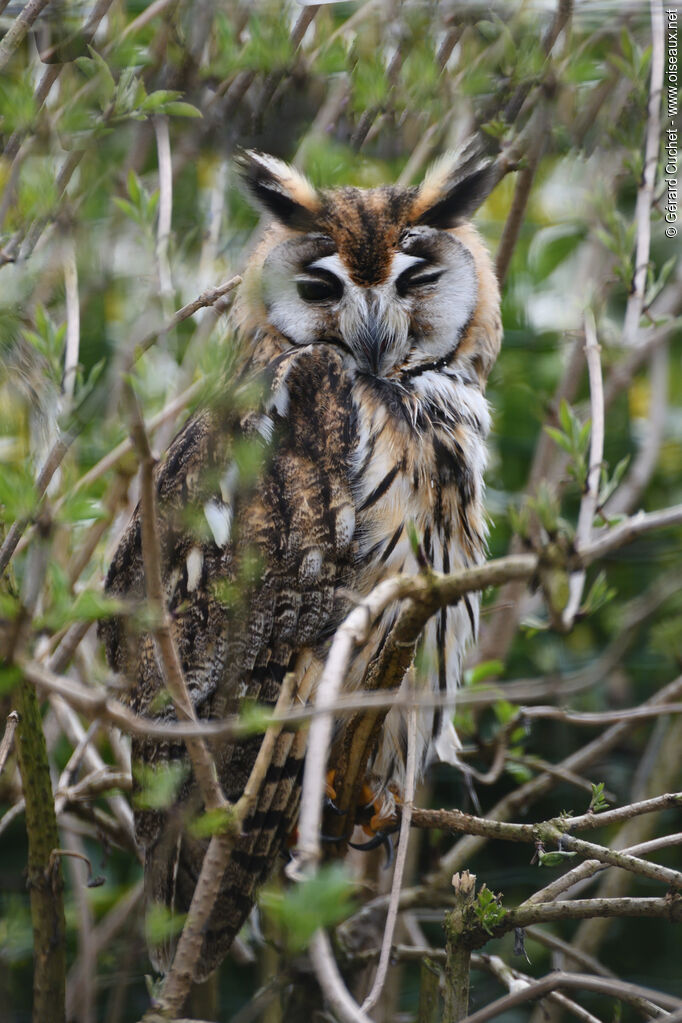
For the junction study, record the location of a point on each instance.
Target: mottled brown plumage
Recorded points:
(370, 321)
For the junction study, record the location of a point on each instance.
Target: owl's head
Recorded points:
(395, 278)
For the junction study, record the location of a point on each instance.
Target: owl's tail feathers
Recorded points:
(173, 864)
(171, 872)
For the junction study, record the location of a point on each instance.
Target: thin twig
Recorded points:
(522, 190)
(645, 195)
(16, 33)
(590, 719)
(588, 868)
(147, 15)
(101, 938)
(331, 981)
(206, 298)
(73, 327)
(108, 461)
(8, 738)
(588, 504)
(165, 213)
(70, 724)
(636, 865)
(405, 823)
(52, 463)
(353, 631)
(639, 474)
(463, 851)
(202, 761)
(588, 962)
(97, 703)
(604, 985)
(179, 979)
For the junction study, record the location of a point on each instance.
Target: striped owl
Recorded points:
(369, 321)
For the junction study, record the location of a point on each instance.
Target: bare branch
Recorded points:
(52, 463)
(457, 820)
(512, 228)
(634, 864)
(591, 719)
(202, 761)
(331, 982)
(178, 981)
(16, 33)
(147, 15)
(588, 504)
(168, 413)
(354, 630)
(588, 868)
(405, 823)
(8, 738)
(465, 848)
(645, 195)
(73, 328)
(165, 213)
(605, 985)
(633, 486)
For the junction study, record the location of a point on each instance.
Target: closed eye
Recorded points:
(417, 276)
(319, 286)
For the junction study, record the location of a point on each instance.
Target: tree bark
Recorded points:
(45, 881)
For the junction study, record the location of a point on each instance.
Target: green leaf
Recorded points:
(505, 711)
(488, 909)
(212, 822)
(519, 772)
(254, 718)
(559, 438)
(161, 923)
(81, 508)
(158, 786)
(626, 46)
(156, 100)
(480, 672)
(598, 802)
(555, 858)
(182, 110)
(323, 901)
(135, 190)
(107, 83)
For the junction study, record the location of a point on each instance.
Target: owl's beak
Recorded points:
(370, 343)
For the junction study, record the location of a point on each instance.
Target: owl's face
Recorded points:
(388, 276)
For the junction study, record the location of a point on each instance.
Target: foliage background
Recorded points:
(362, 94)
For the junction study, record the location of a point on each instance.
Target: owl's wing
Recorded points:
(256, 523)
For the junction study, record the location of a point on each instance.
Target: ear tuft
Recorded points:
(452, 189)
(280, 189)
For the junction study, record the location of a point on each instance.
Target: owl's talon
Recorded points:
(330, 805)
(382, 838)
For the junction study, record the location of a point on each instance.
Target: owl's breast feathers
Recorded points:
(264, 517)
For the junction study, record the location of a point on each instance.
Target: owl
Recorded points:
(368, 322)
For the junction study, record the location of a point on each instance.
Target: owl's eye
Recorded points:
(323, 286)
(416, 277)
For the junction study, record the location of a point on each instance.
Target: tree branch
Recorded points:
(604, 985)
(645, 195)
